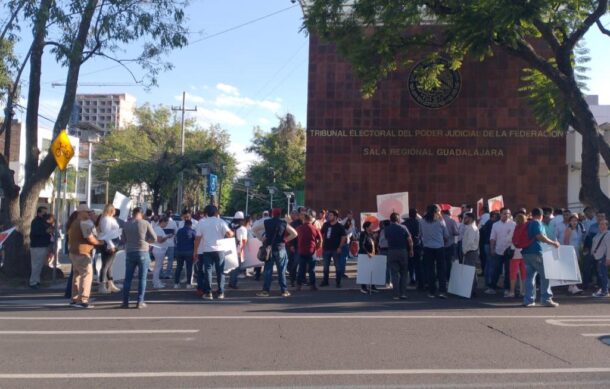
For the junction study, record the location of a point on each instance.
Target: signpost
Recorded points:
(212, 187)
(62, 152)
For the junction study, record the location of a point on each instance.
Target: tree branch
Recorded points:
(601, 27)
(547, 33)
(602, 8)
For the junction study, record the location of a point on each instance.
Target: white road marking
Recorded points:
(272, 373)
(301, 317)
(107, 332)
(580, 322)
(596, 335)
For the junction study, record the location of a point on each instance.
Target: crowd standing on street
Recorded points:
(420, 250)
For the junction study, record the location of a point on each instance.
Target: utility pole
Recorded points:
(182, 109)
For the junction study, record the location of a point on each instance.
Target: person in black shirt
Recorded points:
(40, 240)
(484, 245)
(335, 237)
(366, 245)
(415, 267)
(400, 248)
(291, 246)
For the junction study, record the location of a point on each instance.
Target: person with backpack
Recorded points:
(532, 255)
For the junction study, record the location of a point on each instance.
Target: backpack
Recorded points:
(521, 239)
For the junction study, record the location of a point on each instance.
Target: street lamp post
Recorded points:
(272, 191)
(205, 169)
(247, 184)
(288, 196)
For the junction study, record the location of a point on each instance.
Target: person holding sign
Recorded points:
(367, 246)
(601, 253)
(400, 248)
(532, 255)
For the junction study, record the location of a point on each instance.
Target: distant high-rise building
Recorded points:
(105, 111)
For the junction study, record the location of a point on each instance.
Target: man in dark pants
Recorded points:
(335, 237)
(292, 248)
(588, 261)
(400, 248)
(416, 267)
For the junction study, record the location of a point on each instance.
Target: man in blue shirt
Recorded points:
(532, 255)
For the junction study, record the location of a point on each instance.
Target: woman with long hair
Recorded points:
(517, 264)
(367, 246)
(108, 225)
(574, 236)
(434, 234)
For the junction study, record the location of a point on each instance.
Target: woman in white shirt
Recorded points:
(108, 226)
(159, 250)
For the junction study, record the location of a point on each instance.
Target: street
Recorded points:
(330, 338)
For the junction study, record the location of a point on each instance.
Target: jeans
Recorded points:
(327, 255)
(141, 260)
(234, 273)
(602, 274)
(293, 263)
(107, 261)
(183, 257)
(434, 263)
(170, 261)
(38, 256)
(534, 265)
(589, 268)
(343, 258)
(449, 255)
(280, 259)
(416, 268)
(398, 262)
(206, 261)
(498, 264)
(307, 263)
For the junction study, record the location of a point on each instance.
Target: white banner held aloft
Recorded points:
(495, 203)
(369, 217)
(561, 266)
(229, 248)
(371, 271)
(122, 203)
(250, 251)
(461, 280)
(392, 202)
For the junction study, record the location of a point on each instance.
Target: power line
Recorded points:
(242, 25)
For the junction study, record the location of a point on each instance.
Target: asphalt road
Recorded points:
(336, 338)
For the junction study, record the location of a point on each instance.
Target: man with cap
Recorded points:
(82, 241)
(241, 237)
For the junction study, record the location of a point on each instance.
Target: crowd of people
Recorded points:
(420, 250)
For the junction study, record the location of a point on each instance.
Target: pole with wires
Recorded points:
(182, 109)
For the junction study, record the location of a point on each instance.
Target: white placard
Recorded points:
(392, 202)
(371, 271)
(461, 279)
(118, 266)
(122, 203)
(561, 264)
(229, 248)
(250, 251)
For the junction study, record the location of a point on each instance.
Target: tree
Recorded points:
(74, 32)
(379, 36)
(149, 155)
(281, 164)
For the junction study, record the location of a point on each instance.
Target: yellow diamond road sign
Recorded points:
(62, 150)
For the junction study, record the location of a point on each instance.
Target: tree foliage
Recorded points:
(281, 164)
(149, 156)
(381, 36)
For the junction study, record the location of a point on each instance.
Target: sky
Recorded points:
(247, 76)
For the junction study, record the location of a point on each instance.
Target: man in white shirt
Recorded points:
(258, 230)
(500, 242)
(210, 230)
(172, 226)
(470, 242)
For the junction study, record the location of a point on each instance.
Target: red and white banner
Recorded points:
(495, 203)
(480, 205)
(5, 234)
(392, 202)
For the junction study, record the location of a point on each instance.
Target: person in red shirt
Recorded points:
(310, 239)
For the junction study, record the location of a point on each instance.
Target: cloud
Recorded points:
(191, 98)
(228, 89)
(264, 121)
(207, 116)
(244, 159)
(237, 101)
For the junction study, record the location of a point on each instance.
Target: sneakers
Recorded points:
(73, 304)
(599, 294)
(207, 296)
(529, 305)
(574, 290)
(189, 286)
(82, 305)
(285, 293)
(263, 293)
(141, 305)
(158, 286)
(442, 296)
(374, 289)
(403, 297)
(395, 298)
(489, 291)
(221, 296)
(364, 291)
(176, 286)
(509, 295)
(430, 295)
(550, 304)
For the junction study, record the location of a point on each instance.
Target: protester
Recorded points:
(517, 264)
(434, 234)
(500, 243)
(573, 236)
(40, 240)
(485, 252)
(258, 230)
(159, 249)
(292, 248)
(208, 232)
(82, 241)
(532, 255)
(108, 226)
(309, 240)
(470, 244)
(238, 226)
(453, 229)
(335, 238)
(185, 246)
(71, 219)
(170, 229)
(416, 268)
(601, 253)
(400, 248)
(277, 233)
(589, 264)
(138, 234)
(367, 246)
